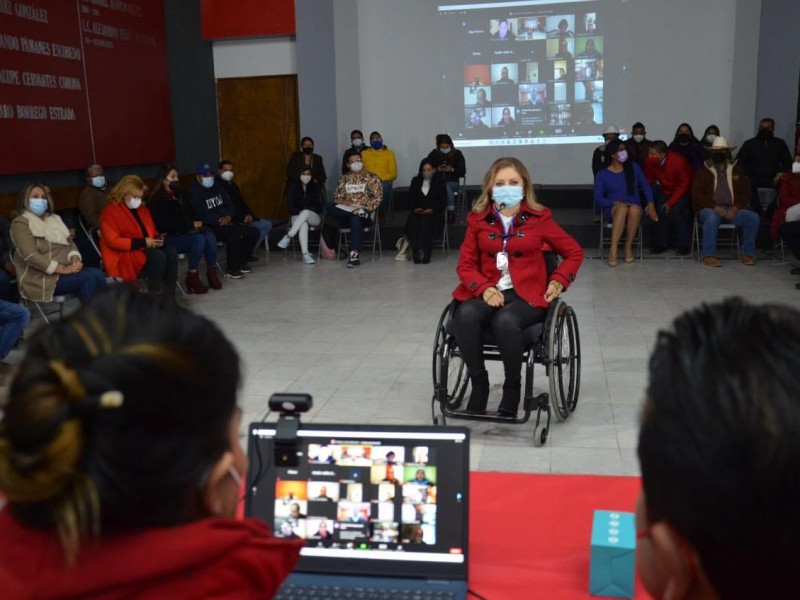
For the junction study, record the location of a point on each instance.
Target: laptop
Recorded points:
(383, 510)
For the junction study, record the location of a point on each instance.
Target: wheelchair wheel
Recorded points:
(563, 348)
(540, 435)
(450, 377)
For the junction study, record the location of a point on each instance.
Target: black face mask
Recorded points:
(719, 157)
(308, 150)
(765, 134)
(683, 138)
(175, 186)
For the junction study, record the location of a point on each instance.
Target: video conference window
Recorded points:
(528, 89)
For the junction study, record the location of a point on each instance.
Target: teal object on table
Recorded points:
(613, 555)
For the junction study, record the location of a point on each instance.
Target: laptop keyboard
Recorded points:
(293, 591)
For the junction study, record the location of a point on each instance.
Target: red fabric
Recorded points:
(118, 229)
(477, 263)
(246, 18)
(675, 176)
(212, 558)
(788, 195)
(530, 535)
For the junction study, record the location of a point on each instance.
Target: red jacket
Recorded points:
(211, 558)
(118, 230)
(675, 176)
(534, 232)
(788, 195)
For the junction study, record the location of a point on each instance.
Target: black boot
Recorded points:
(510, 401)
(479, 397)
(417, 256)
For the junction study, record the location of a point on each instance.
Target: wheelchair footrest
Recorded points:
(491, 417)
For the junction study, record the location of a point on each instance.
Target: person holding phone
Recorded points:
(131, 244)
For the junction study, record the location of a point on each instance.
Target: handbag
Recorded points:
(403, 246)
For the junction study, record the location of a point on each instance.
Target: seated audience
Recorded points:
(305, 205)
(357, 197)
(504, 282)
(616, 192)
(709, 135)
(13, 320)
(306, 158)
(118, 481)
(8, 274)
(720, 194)
(46, 260)
(719, 449)
(637, 144)
(211, 204)
(670, 176)
(610, 133)
(243, 213)
(449, 161)
(786, 218)
(132, 245)
(688, 146)
(380, 161)
(170, 214)
(92, 199)
(428, 196)
(356, 146)
(762, 158)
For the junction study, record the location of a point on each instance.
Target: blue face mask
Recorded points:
(376, 144)
(507, 195)
(207, 182)
(38, 206)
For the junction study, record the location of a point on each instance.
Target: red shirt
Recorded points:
(211, 558)
(788, 195)
(118, 229)
(534, 232)
(675, 176)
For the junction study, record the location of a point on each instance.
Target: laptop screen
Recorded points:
(368, 500)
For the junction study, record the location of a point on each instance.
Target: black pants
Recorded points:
(239, 241)
(790, 234)
(420, 233)
(507, 323)
(161, 269)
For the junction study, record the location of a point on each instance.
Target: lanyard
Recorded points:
(507, 231)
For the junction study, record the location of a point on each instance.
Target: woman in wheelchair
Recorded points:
(504, 280)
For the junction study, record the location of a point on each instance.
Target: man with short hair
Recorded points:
(670, 176)
(762, 158)
(356, 146)
(92, 199)
(358, 195)
(243, 213)
(213, 206)
(719, 449)
(637, 143)
(720, 194)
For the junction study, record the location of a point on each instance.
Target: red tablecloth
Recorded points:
(530, 534)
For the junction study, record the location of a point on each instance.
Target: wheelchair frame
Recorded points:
(557, 348)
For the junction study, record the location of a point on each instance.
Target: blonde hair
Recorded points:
(488, 181)
(24, 196)
(128, 185)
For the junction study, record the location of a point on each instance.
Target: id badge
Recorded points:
(502, 261)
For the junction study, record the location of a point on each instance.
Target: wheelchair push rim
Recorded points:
(564, 361)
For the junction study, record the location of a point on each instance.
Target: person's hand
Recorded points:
(66, 269)
(731, 213)
(666, 208)
(553, 291)
(427, 211)
(346, 202)
(651, 212)
(494, 297)
(721, 212)
(248, 219)
(197, 224)
(153, 242)
(76, 262)
(419, 211)
(226, 220)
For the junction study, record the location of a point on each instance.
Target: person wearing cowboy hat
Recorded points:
(721, 194)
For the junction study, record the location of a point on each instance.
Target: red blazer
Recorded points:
(788, 195)
(118, 229)
(534, 232)
(211, 558)
(675, 176)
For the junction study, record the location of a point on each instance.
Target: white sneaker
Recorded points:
(285, 241)
(308, 259)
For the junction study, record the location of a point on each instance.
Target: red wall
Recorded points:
(247, 18)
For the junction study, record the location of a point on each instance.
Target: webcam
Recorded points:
(289, 406)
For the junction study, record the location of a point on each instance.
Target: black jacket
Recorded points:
(763, 159)
(454, 159)
(436, 198)
(170, 213)
(310, 198)
(239, 203)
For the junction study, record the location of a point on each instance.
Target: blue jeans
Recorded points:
(195, 245)
(387, 193)
(13, 319)
(84, 284)
(746, 219)
(452, 190)
(346, 219)
(264, 227)
(8, 291)
(680, 212)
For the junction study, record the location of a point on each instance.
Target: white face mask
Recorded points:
(796, 167)
(207, 182)
(710, 138)
(133, 203)
(227, 175)
(305, 179)
(99, 181)
(638, 138)
(356, 166)
(357, 142)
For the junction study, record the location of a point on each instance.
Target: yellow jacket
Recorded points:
(381, 162)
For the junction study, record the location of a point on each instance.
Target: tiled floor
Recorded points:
(360, 341)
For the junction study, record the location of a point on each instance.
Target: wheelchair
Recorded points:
(553, 342)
